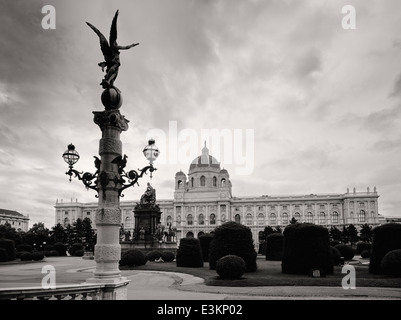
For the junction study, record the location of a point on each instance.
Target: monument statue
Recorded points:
(149, 197)
(111, 53)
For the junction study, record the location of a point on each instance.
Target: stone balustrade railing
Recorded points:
(66, 292)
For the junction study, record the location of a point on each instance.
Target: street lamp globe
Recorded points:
(151, 152)
(71, 156)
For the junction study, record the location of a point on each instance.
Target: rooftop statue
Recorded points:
(111, 53)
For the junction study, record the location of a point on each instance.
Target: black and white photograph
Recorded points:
(200, 157)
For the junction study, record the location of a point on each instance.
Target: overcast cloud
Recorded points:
(324, 103)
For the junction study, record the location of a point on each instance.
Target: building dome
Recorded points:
(205, 160)
(180, 173)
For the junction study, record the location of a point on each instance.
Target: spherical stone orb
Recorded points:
(111, 99)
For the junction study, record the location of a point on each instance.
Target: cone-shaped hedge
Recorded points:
(306, 247)
(232, 238)
(205, 241)
(386, 237)
(189, 253)
(274, 246)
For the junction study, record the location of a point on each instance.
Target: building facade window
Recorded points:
(272, 219)
(261, 219)
(309, 217)
(223, 182)
(237, 218)
(190, 219)
(223, 218)
(248, 219)
(322, 218)
(190, 234)
(362, 216)
(201, 219)
(179, 184)
(297, 216)
(214, 182)
(212, 218)
(284, 218)
(335, 217)
(192, 182)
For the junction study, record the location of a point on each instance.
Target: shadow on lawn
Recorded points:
(269, 274)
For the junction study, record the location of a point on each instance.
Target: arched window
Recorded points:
(248, 219)
(284, 218)
(237, 218)
(214, 182)
(168, 220)
(200, 233)
(297, 216)
(202, 181)
(223, 218)
(261, 219)
(190, 234)
(362, 216)
(179, 184)
(212, 218)
(66, 222)
(201, 219)
(322, 218)
(192, 182)
(335, 217)
(309, 217)
(261, 236)
(179, 219)
(223, 182)
(273, 219)
(128, 222)
(190, 220)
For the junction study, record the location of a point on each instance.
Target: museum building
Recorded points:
(203, 200)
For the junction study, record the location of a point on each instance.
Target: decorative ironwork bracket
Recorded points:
(132, 177)
(86, 178)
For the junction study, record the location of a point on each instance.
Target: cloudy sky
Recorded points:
(306, 105)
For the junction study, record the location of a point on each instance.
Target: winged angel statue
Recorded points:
(111, 53)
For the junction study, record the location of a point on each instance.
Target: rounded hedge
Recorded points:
(3, 255)
(274, 246)
(306, 247)
(391, 263)
(365, 254)
(232, 238)
(153, 255)
(168, 256)
(9, 246)
(346, 251)
(230, 267)
(335, 256)
(205, 241)
(37, 256)
(362, 246)
(24, 247)
(26, 256)
(386, 238)
(133, 258)
(61, 248)
(189, 253)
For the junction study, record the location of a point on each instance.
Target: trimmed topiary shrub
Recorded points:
(230, 267)
(153, 255)
(391, 263)
(346, 251)
(26, 256)
(37, 256)
(168, 256)
(335, 256)
(9, 246)
(386, 237)
(262, 247)
(306, 247)
(274, 246)
(79, 253)
(133, 258)
(76, 247)
(361, 246)
(365, 254)
(232, 238)
(3, 255)
(205, 241)
(24, 247)
(189, 253)
(61, 248)
(49, 247)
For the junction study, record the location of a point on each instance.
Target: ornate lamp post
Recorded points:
(110, 177)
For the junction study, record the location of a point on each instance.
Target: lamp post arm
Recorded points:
(133, 177)
(86, 178)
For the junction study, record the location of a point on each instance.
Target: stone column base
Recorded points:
(114, 288)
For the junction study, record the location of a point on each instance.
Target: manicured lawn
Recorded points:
(269, 274)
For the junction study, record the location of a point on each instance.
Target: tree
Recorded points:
(353, 234)
(58, 234)
(366, 233)
(8, 232)
(293, 220)
(345, 235)
(335, 234)
(268, 230)
(88, 233)
(278, 230)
